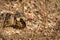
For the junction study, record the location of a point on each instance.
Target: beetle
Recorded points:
(20, 24)
(14, 21)
(19, 21)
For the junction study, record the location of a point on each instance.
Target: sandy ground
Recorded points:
(42, 18)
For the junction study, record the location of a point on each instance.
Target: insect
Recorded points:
(15, 21)
(20, 23)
